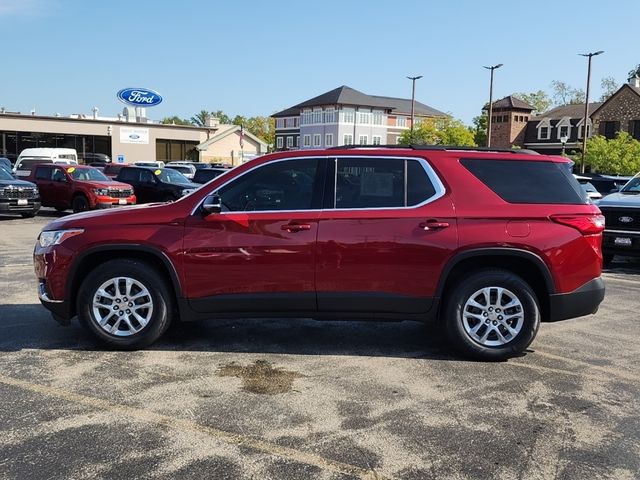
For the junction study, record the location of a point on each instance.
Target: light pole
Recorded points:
(563, 140)
(586, 107)
(492, 68)
(413, 97)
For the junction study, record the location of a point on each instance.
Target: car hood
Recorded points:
(16, 183)
(143, 214)
(620, 200)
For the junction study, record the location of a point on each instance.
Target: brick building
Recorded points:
(621, 112)
(509, 121)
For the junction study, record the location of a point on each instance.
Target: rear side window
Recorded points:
(128, 174)
(381, 183)
(537, 182)
(43, 173)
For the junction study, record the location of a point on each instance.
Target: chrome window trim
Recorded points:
(438, 186)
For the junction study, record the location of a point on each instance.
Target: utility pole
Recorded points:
(413, 98)
(586, 107)
(492, 68)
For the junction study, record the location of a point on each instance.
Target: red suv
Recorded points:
(78, 187)
(486, 243)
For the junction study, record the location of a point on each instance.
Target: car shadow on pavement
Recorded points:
(29, 326)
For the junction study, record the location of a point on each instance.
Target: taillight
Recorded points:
(585, 224)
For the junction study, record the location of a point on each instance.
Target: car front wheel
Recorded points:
(492, 315)
(125, 304)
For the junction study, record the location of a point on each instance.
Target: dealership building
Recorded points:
(128, 138)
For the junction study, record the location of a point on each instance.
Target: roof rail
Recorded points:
(438, 147)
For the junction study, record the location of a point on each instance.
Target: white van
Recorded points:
(68, 156)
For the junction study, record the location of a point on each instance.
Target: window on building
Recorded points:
(581, 131)
(307, 116)
(378, 117)
(328, 140)
(563, 131)
(401, 121)
(363, 139)
(316, 140)
(297, 140)
(306, 141)
(610, 129)
(526, 119)
(364, 117)
(505, 118)
(635, 129)
(543, 133)
(330, 116)
(280, 122)
(317, 115)
(348, 115)
(279, 142)
(377, 139)
(348, 139)
(289, 142)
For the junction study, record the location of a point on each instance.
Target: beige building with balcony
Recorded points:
(128, 141)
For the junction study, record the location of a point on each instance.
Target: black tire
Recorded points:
(80, 204)
(607, 258)
(465, 290)
(28, 214)
(160, 292)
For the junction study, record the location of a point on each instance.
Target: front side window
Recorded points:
(328, 140)
(58, 175)
(381, 183)
(43, 173)
(306, 140)
(279, 143)
(285, 185)
(348, 139)
(316, 140)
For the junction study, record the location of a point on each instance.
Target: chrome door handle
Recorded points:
(296, 227)
(433, 225)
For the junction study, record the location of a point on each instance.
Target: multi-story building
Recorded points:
(561, 128)
(345, 116)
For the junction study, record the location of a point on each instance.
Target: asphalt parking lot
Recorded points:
(285, 399)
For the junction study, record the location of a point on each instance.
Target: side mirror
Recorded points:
(212, 204)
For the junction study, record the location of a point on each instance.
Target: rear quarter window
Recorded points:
(520, 181)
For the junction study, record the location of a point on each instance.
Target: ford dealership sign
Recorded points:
(139, 97)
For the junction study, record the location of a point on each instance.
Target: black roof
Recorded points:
(512, 102)
(403, 105)
(575, 110)
(289, 112)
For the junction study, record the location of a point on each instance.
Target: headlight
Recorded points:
(101, 191)
(56, 237)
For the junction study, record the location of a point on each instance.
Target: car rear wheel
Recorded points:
(125, 304)
(28, 214)
(80, 204)
(492, 315)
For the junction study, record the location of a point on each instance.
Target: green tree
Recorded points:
(635, 71)
(620, 155)
(175, 120)
(239, 120)
(200, 118)
(480, 127)
(263, 128)
(609, 87)
(222, 117)
(539, 100)
(441, 131)
(564, 94)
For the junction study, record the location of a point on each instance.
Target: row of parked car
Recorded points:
(65, 185)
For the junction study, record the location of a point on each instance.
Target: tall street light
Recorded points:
(413, 97)
(491, 102)
(586, 107)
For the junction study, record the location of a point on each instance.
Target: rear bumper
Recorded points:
(582, 301)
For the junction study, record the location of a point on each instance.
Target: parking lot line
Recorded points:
(179, 423)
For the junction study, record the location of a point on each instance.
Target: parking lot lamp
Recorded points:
(586, 107)
(492, 68)
(563, 140)
(413, 98)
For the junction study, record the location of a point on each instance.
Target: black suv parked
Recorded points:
(18, 196)
(156, 184)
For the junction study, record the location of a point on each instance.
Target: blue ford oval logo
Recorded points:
(139, 97)
(133, 136)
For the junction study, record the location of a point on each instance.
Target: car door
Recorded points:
(148, 186)
(258, 254)
(45, 184)
(59, 188)
(387, 230)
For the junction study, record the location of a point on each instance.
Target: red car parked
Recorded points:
(487, 243)
(79, 188)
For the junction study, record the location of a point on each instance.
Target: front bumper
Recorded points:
(109, 202)
(59, 308)
(609, 245)
(582, 301)
(32, 205)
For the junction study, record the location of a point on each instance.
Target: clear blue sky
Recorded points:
(257, 57)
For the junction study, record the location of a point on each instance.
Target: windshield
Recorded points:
(4, 175)
(27, 163)
(180, 169)
(633, 186)
(87, 175)
(171, 176)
